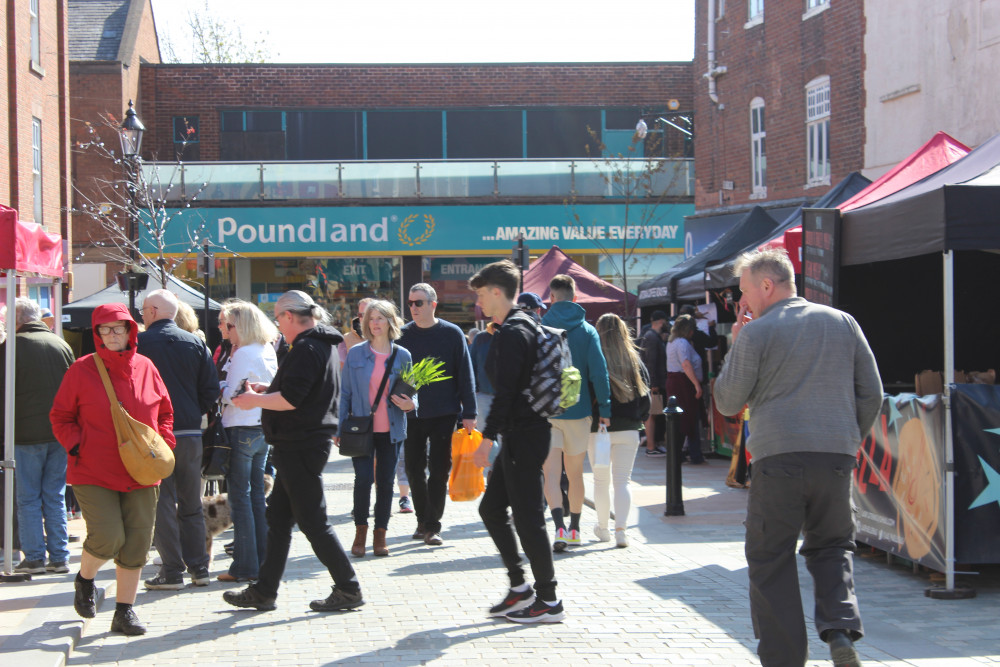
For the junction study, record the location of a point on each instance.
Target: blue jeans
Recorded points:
(381, 472)
(40, 484)
(246, 498)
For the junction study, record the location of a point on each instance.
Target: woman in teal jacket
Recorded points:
(360, 379)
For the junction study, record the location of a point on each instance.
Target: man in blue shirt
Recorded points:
(441, 403)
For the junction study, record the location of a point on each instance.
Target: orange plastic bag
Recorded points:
(466, 481)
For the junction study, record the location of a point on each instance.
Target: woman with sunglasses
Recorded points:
(253, 361)
(118, 511)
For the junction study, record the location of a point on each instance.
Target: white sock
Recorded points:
(520, 589)
(551, 604)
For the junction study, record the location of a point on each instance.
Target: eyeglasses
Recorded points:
(107, 331)
(419, 303)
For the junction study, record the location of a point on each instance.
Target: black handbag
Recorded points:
(216, 447)
(356, 435)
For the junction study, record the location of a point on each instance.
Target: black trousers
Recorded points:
(298, 498)
(516, 483)
(807, 493)
(429, 490)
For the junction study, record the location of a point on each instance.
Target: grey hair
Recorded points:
(169, 301)
(426, 289)
(26, 311)
(772, 263)
(301, 305)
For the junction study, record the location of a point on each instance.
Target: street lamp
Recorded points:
(130, 133)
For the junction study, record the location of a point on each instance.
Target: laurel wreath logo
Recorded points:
(404, 236)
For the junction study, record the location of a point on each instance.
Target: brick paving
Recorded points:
(677, 596)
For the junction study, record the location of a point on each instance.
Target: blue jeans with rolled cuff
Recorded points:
(379, 471)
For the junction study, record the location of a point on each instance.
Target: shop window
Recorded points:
(404, 135)
(485, 134)
(561, 133)
(818, 132)
(324, 135)
(758, 156)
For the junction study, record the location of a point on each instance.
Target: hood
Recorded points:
(324, 333)
(112, 312)
(565, 315)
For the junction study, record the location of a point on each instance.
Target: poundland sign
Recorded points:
(422, 230)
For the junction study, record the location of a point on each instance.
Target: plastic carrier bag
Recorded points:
(466, 481)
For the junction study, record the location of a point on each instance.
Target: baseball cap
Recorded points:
(530, 300)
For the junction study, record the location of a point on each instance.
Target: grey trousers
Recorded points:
(180, 524)
(807, 493)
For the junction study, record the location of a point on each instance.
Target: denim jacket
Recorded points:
(354, 382)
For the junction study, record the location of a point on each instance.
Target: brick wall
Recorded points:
(203, 90)
(775, 60)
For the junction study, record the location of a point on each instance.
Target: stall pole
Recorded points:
(8, 429)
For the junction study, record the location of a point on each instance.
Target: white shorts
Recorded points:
(571, 435)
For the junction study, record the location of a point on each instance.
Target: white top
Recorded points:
(256, 363)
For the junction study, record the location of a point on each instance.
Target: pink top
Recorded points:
(380, 422)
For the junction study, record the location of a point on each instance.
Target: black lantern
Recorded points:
(131, 133)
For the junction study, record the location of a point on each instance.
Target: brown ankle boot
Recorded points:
(360, 536)
(378, 544)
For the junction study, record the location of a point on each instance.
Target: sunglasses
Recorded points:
(419, 303)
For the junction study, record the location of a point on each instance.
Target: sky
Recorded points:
(442, 31)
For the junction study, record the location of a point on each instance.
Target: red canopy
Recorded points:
(597, 296)
(25, 246)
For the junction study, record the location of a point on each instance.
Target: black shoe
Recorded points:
(433, 539)
(126, 622)
(57, 567)
(419, 533)
(515, 601)
(30, 567)
(249, 598)
(842, 649)
(201, 577)
(538, 612)
(163, 582)
(85, 601)
(337, 600)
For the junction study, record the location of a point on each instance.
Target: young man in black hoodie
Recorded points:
(299, 418)
(517, 477)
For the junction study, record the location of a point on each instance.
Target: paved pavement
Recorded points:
(677, 596)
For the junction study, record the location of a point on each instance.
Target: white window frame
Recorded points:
(36, 167)
(814, 7)
(818, 132)
(755, 13)
(758, 154)
(36, 46)
(720, 8)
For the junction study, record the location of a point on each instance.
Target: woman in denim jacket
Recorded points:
(360, 379)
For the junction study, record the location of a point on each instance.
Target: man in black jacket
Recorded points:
(299, 418)
(517, 477)
(654, 355)
(186, 367)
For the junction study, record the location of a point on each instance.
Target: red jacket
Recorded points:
(81, 412)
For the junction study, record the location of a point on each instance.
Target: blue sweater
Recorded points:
(445, 342)
(585, 346)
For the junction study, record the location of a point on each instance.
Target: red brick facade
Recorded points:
(203, 90)
(774, 60)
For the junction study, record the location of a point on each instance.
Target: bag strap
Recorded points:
(111, 392)
(385, 378)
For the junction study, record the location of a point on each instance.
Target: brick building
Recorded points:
(34, 88)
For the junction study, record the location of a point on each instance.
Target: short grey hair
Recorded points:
(301, 305)
(170, 302)
(26, 311)
(772, 263)
(426, 289)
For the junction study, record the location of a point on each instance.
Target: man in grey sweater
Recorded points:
(813, 388)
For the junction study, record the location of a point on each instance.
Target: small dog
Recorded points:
(219, 515)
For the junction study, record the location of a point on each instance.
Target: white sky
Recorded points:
(439, 31)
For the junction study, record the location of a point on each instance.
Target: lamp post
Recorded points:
(130, 133)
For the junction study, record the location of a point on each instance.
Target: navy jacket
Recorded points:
(187, 369)
(445, 342)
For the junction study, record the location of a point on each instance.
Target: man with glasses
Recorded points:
(441, 403)
(188, 372)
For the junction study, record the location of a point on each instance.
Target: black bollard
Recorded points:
(675, 502)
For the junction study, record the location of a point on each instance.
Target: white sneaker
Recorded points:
(621, 539)
(603, 534)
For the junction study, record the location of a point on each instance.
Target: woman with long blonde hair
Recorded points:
(629, 382)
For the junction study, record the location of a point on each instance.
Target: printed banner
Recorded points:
(976, 425)
(899, 482)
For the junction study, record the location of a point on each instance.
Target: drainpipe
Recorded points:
(713, 70)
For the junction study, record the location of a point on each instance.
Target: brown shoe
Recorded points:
(225, 576)
(360, 537)
(378, 543)
(419, 533)
(433, 539)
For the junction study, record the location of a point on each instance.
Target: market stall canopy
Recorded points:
(76, 315)
(754, 226)
(597, 296)
(787, 235)
(952, 209)
(25, 246)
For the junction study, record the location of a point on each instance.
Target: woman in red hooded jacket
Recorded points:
(118, 511)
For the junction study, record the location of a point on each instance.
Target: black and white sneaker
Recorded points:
(515, 601)
(539, 612)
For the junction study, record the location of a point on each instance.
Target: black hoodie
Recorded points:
(308, 378)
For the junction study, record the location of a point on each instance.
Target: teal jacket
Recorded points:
(585, 346)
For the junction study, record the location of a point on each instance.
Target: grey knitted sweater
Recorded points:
(809, 377)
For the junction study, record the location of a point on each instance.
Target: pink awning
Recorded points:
(25, 246)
